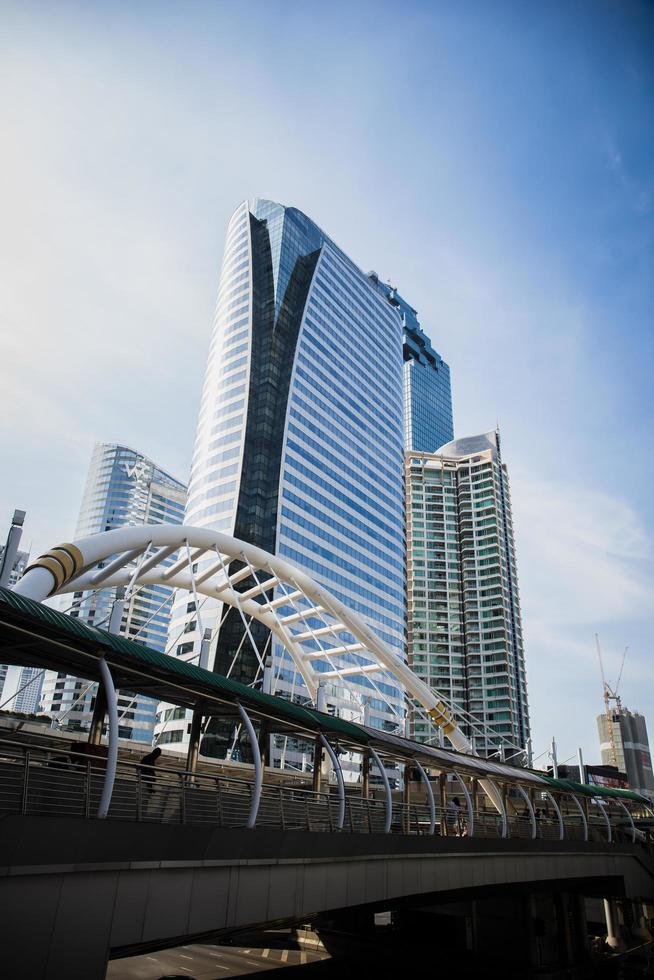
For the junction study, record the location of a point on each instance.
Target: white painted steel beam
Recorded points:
(339, 779)
(258, 768)
(333, 651)
(350, 671)
(304, 614)
(112, 752)
(387, 791)
(321, 631)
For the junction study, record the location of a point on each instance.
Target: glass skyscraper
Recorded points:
(299, 441)
(427, 388)
(123, 488)
(465, 631)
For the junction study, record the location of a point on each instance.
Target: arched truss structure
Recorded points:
(312, 624)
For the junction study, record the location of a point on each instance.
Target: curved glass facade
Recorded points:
(300, 437)
(123, 488)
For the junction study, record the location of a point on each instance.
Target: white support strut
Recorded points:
(258, 768)
(530, 808)
(584, 822)
(387, 791)
(112, 753)
(560, 815)
(338, 772)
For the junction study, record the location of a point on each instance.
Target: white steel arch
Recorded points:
(311, 623)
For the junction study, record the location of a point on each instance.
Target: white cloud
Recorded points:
(584, 556)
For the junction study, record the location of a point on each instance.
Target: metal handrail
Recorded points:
(52, 781)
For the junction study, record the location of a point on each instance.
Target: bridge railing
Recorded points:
(50, 782)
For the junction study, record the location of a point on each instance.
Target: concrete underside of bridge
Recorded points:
(119, 886)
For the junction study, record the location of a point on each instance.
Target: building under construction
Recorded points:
(624, 743)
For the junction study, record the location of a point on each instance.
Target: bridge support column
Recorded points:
(317, 765)
(264, 742)
(406, 800)
(442, 803)
(640, 928)
(194, 740)
(365, 774)
(613, 937)
(97, 719)
(581, 925)
(564, 928)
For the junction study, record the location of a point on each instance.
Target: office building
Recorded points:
(18, 566)
(465, 634)
(20, 687)
(123, 488)
(624, 743)
(299, 442)
(427, 389)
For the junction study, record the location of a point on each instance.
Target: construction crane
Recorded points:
(611, 695)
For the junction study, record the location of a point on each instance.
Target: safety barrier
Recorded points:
(50, 782)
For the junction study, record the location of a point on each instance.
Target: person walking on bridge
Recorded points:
(453, 818)
(148, 770)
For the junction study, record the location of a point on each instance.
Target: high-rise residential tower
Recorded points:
(299, 440)
(465, 633)
(427, 388)
(123, 488)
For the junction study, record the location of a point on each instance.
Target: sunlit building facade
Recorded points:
(465, 631)
(123, 488)
(299, 443)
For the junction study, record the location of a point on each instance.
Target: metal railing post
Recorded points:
(26, 776)
(219, 803)
(281, 807)
(87, 790)
(406, 800)
(182, 799)
(139, 795)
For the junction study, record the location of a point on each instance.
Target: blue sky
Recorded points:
(493, 159)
